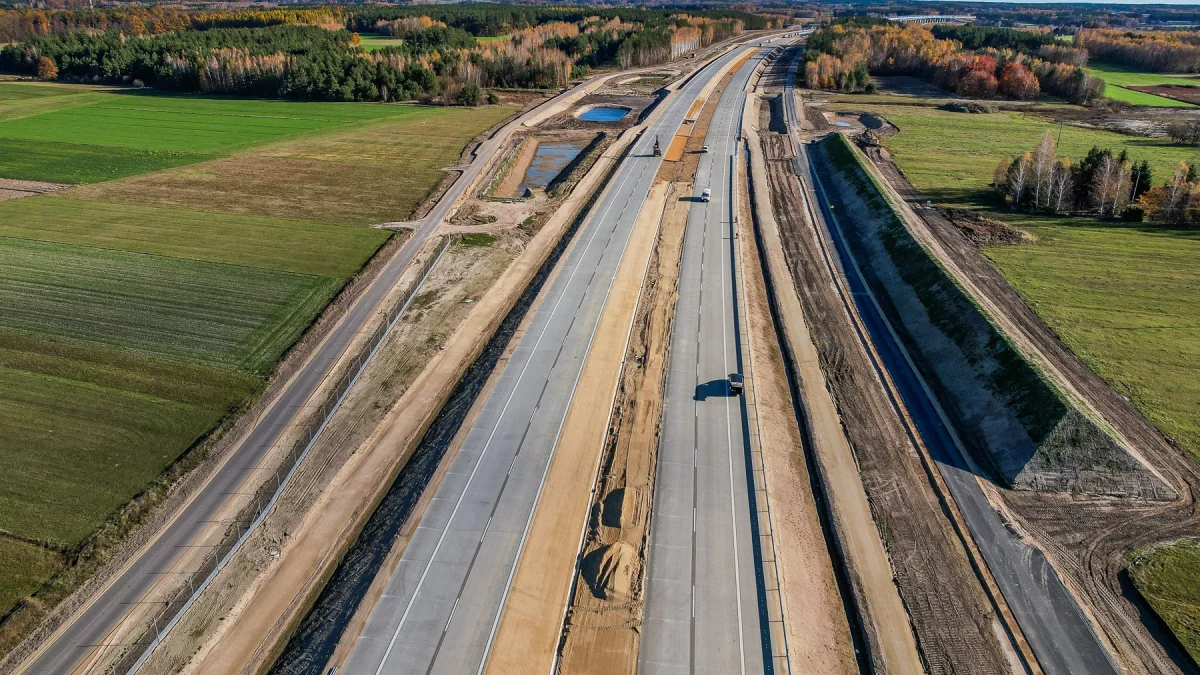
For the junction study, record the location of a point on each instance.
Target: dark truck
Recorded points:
(736, 384)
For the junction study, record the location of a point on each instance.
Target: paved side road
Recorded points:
(85, 636)
(442, 604)
(1051, 619)
(704, 611)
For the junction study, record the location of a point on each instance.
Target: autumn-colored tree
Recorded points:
(977, 84)
(1017, 81)
(46, 69)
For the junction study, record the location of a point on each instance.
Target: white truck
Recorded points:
(706, 195)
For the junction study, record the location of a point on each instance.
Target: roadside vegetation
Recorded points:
(1168, 576)
(1123, 296)
(138, 314)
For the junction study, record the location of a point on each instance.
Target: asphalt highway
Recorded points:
(441, 607)
(703, 603)
(87, 634)
(1051, 619)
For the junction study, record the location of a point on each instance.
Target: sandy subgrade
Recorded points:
(814, 616)
(601, 631)
(532, 617)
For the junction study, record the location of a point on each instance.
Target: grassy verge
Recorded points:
(1168, 576)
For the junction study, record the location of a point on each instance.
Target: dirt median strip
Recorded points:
(529, 633)
(814, 618)
(885, 620)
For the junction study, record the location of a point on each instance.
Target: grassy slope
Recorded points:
(1116, 79)
(25, 568)
(1125, 298)
(1169, 577)
(87, 424)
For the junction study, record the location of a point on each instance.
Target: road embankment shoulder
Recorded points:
(881, 613)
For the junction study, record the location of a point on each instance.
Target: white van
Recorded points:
(705, 195)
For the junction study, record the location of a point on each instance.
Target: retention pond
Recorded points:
(603, 113)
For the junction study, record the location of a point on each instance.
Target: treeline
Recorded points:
(298, 54)
(842, 55)
(1101, 183)
(19, 25)
(1166, 51)
(277, 61)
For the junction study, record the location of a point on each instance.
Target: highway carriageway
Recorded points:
(442, 604)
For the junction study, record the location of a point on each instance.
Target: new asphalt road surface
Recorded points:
(1061, 638)
(704, 612)
(442, 604)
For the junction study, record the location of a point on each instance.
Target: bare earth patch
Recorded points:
(11, 188)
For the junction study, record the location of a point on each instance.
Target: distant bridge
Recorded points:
(934, 18)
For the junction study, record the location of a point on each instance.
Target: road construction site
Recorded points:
(541, 464)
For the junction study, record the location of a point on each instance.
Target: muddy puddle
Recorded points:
(549, 161)
(318, 634)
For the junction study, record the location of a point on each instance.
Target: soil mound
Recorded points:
(984, 231)
(609, 571)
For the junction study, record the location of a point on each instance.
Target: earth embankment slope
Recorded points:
(956, 627)
(1015, 422)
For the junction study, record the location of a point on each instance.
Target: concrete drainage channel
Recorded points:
(318, 635)
(158, 627)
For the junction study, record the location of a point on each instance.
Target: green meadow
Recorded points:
(1118, 79)
(73, 135)
(139, 311)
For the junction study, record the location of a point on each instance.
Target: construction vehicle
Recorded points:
(737, 384)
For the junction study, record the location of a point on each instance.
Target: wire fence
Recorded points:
(156, 627)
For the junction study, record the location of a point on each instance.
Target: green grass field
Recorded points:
(270, 243)
(1117, 79)
(950, 156)
(71, 135)
(371, 173)
(221, 315)
(138, 311)
(373, 41)
(1168, 576)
